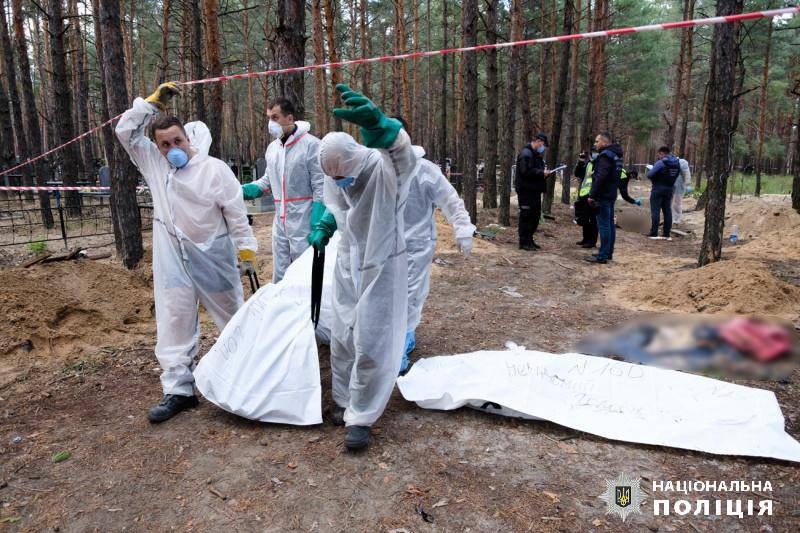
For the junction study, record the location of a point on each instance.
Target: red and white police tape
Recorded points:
(56, 188)
(414, 55)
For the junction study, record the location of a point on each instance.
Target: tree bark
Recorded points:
(317, 38)
(509, 122)
(558, 115)
(80, 84)
(571, 122)
(443, 126)
(416, 76)
(470, 102)
(107, 133)
(365, 69)
(721, 110)
(210, 12)
(163, 73)
(13, 99)
(336, 74)
(7, 159)
(587, 125)
(762, 113)
(492, 101)
(600, 62)
(124, 176)
(32, 127)
(62, 97)
(253, 134)
(198, 71)
(672, 126)
(687, 83)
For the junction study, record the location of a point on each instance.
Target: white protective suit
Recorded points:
(428, 190)
(294, 176)
(370, 285)
(199, 222)
(684, 179)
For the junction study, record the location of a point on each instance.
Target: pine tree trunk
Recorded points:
(492, 100)
(672, 126)
(470, 102)
(796, 165)
(687, 82)
(795, 135)
(253, 131)
(163, 73)
(443, 153)
(34, 139)
(571, 122)
(587, 124)
(329, 7)
(210, 13)
(365, 69)
(13, 99)
(509, 122)
(558, 114)
(417, 77)
(185, 103)
(762, 113)
(7, 159)
(317, 38)
(80, 84)
(108, 132)
(62, 98)
(721, 114)
(198, 71)
(124, 176)
(601, 61)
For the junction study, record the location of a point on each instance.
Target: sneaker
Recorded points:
(337, 415)
(650, 235)
(594, 259)
(357, 438)
(588, 245)
(169, 406)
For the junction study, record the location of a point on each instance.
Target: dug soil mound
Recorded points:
(65, 310)
(736, 286)
(756, 216)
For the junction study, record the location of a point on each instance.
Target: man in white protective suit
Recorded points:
(682, 186)
(428, 190)
(199, 228)
(365, 195)
(294, 176)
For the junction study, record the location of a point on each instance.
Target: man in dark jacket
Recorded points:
(663, 175)
(606, 171)
(530, 184)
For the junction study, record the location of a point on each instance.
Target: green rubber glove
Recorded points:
(322, 231)
(251, 191)
(317, 210)
(377, 130)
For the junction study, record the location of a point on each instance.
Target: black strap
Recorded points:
(317, 272)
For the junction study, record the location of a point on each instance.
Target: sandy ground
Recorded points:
(86, 391)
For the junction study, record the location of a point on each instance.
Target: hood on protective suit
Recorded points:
(341, 155)
(199, 136)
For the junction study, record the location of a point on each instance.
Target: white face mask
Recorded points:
(275, 129)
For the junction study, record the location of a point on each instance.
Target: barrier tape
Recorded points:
(54, 189)
(709, 21)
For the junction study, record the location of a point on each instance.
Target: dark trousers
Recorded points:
(661, 201)
(586, 216)
(608, 231)
(530, 211)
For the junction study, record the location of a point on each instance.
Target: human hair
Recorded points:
(664, 150)
(165, 122)
(403, 122)
(607, 136)
(286, 105)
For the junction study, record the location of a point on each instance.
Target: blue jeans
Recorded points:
(608, 232)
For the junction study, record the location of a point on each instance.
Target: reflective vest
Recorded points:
(586, 185)
(623, 175)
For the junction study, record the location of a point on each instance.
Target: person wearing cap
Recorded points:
(530, 183)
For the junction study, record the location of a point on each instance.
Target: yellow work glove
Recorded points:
(161, 96)
(247, 259)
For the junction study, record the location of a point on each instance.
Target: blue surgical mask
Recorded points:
(177, 157)
(540, 149)
(344, 182)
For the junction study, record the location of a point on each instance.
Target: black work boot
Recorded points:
(337, 415)
(357, 438)
(169, 406)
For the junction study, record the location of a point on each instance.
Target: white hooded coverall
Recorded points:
(428, 190)
(370, 286)
(199, 222)
(295, 178)
(679, 189)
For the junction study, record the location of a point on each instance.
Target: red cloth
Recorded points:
(761, 340)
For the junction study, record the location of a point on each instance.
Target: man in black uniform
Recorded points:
(530, 184)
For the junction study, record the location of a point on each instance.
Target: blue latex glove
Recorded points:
(411, 343)
(377, 130)
(689, 189)
(638, 202)
(251, 191)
